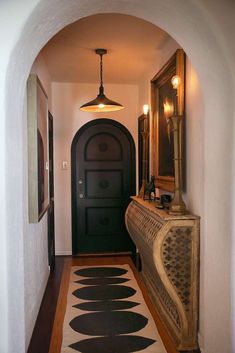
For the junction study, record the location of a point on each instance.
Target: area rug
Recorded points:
(106, 313)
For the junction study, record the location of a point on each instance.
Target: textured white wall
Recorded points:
(195, 117)
(11, 213)
(67, 98)
(205, 29)
(36, 268)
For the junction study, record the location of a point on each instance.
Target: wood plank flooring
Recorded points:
(40, 342)
(41, 337)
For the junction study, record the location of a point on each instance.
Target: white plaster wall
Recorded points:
(67, 98)
(36, 270)
(11, 213)
(205, 29)
(195, 118)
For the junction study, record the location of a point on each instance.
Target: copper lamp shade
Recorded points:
(101, 103)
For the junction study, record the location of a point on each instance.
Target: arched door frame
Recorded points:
(73, 170)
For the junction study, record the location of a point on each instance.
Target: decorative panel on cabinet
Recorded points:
(169, 250)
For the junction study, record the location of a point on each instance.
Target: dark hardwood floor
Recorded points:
(41, 337)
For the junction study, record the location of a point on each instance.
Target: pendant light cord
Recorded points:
(101, 89)
(101, 70)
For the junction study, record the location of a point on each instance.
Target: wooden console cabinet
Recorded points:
(169, 250)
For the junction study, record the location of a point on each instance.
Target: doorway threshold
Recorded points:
(103, 254)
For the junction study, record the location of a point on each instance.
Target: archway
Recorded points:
(206, 51)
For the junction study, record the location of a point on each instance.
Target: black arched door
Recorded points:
(103, 179)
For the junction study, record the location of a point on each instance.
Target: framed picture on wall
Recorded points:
(162, 109)
(38, 171)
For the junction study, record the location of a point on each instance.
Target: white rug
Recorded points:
(110, 314)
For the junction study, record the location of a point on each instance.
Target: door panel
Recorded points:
(105, 221)
(103, 184)
(103, 147)
(103, 178)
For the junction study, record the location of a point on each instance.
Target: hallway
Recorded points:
(97, 155)
(37, 37)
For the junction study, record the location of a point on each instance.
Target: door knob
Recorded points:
(80, 181)
(81, 196)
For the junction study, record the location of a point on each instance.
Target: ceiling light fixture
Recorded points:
(101, 103)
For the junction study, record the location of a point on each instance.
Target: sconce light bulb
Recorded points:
(145, 109)
(175, 81)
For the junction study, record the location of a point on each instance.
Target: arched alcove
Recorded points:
(191, 25)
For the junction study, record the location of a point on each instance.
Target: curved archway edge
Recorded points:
(193, 28)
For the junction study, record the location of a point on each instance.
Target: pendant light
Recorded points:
(101, 103)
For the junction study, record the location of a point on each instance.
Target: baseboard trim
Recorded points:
(63, 252)
(200, 342)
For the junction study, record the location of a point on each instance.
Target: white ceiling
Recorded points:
(133, 46)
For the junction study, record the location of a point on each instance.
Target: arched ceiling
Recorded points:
(133, 46)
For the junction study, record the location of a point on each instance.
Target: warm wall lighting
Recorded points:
(101, 103)
(168, 108)
(145, 135)
(177, 205)
(145, 109)
(175, 81)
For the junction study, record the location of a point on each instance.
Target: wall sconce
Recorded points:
(177, 205)
(145, 134)
(145, 109)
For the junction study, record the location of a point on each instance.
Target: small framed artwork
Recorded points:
(38, 171)
(162, 109)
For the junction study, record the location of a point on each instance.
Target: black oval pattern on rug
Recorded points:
(106, 305)
(102, 281)
(104, 292)
(108, 323)
(119, 344)
(107, 315)
(101, 272)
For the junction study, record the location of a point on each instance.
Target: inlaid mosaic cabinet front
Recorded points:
(169, 250)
